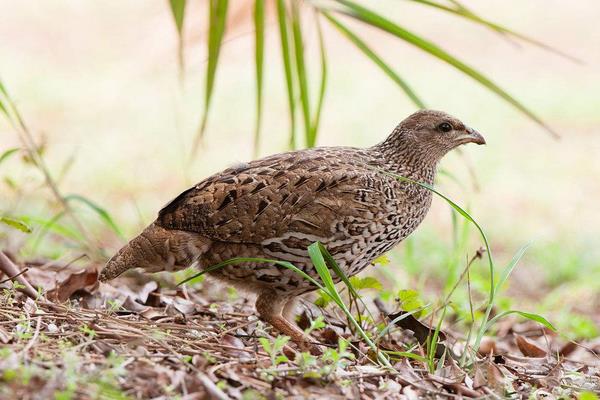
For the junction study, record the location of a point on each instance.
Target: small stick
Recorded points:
(11, 270)
(34, 338)
(11, 278)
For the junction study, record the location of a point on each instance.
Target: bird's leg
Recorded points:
(270, 306)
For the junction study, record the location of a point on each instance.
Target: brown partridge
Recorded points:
(277, 206)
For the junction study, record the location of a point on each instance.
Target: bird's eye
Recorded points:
(444, 127)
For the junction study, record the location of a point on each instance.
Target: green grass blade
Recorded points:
(533, 317)
(178, 11)
(317, 256)
(286, 55)
(3, 107)
(216, 29)
(407, 354)
(371, 18)
(328, 287)
(16, 223)
(5, 155)
(259, 52)
(362, 46)
(322, 250)
(102, 213)
(301, 70)
(323, 52)
(461, 11)
(239, 260)
(52, 225)
(511, 265)
(433, 340)
(465, 214)
(455, 206)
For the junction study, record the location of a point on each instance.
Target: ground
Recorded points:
(139, 339)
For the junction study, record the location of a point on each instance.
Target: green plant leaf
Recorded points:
(4, 156)
(407, 354)
(531, 316)
(382, 260)
(102, 213)
(511, 265)
(178, 11)
(368, 282)
(322, 300)
(217, 16)
(587, 396)
(321, 258)
(410, 301)
(266, 345)
(317, 116)
(333, 264)
(462, 11)
(239, 260)
(369, 17)
(362, 46)
(16, 223)
(4, 107)
(259, 52)
(286, 54)
(52, 225)
(301, 70)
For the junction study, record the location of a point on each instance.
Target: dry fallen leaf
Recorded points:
(421, 331)
(487, 346)
(528, 348)
(568, 349)
(73, 283)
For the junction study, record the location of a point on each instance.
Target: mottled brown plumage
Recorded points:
(277, 206)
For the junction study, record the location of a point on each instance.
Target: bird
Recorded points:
(349, 199)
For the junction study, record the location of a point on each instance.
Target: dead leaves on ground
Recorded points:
(149, 341)
(529, 348)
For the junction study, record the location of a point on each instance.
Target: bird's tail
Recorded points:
(156, 249)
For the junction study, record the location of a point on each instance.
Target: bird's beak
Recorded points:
(471, 136)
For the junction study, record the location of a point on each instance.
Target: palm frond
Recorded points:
(286, 54)
(375, 58)
(460, 10)
(301, 70)
(178, 11)
(217, 16)
(259, 40)
(371, 18)
(323, 53)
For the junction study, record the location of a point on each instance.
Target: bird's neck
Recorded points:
(407, 161)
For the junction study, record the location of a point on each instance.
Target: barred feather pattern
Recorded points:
(277, 206)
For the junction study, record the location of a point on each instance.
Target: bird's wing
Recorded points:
(306, 193)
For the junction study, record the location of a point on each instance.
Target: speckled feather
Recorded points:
(277, 206)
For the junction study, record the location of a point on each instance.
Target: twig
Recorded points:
(478, 255)
(210, 387)
(11, 270)
(14, 276)
(34, 338)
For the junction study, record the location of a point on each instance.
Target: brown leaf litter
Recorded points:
(137, 339)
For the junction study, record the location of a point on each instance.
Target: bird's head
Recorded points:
(431, 134)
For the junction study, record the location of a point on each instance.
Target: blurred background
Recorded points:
(99, 86)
